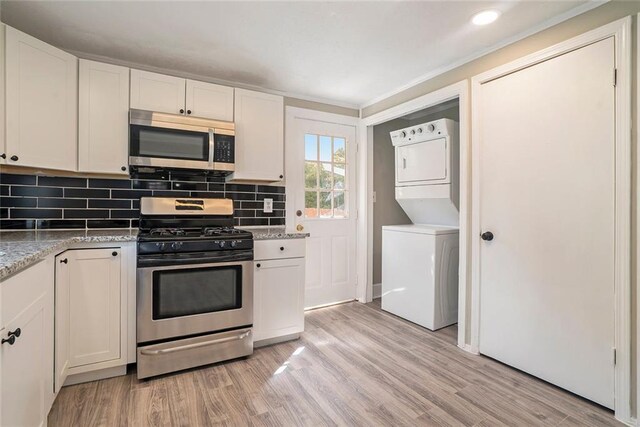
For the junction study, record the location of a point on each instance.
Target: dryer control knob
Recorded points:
(403, 134)
(419, 130)
(431, 128)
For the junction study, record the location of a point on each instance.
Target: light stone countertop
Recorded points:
(273, 233)
(20, 249)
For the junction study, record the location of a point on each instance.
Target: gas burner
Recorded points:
(166, 232)
(218, 231)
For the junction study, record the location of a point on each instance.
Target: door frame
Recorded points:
(292, 113)
(621, 31)
(460, 91)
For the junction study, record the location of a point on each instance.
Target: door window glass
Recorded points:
(325, 176)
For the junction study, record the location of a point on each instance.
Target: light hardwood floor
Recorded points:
(355, 365)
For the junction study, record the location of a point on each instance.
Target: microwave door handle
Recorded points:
(211, 147)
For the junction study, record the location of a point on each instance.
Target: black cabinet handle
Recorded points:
(64, 261)
(487, 236)
(181, 111)
(11, 340)
(16, 333)
(258, 265)
(14, 158)
(188, 111)
(3, 155)
(123, 168)
(282, 248)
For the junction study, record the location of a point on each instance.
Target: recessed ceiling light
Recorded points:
(485, 17)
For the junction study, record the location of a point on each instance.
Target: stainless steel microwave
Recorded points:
(174, 141)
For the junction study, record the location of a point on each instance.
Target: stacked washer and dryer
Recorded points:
(420, 260)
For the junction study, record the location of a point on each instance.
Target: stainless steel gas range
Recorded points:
(194, 283)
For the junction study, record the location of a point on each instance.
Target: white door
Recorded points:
(321, 174)
(209, 100)
(94, 301)
(278, 308)
(41, 103)
(546, 181)
(103, 113)
(157, 92)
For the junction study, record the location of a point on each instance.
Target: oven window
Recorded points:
(195, 291)
(169, 143)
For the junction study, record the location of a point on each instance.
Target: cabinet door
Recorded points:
(157, 92)
(103, 128)
(94, 305)
(209, 101)
(41, 103)
(62, 312)
(279, 298)
(259, 119)
(26, 367)
(3, 151)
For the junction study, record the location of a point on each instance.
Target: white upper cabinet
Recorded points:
(3, 152)
(174, 95)
(103, 118)
(157, 92)
(259, 119)
(209, 100)
(41, 103)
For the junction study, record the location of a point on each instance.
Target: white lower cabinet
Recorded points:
(90, 313)
(278, 312)
(26, 354)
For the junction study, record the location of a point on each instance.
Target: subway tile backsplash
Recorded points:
(29, 202)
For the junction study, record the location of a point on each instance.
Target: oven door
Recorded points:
(185, 300)
(170, 147)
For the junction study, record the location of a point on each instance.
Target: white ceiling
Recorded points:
(349, 52)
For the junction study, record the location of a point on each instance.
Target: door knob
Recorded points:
(487, 235)
(298, 212)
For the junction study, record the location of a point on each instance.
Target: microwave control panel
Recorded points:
(223, 148)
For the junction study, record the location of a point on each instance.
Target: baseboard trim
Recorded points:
(101, 374)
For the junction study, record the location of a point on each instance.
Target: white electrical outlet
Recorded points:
(268, 206)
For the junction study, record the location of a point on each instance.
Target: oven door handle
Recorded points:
(194, 345)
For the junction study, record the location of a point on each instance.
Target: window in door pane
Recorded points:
(311, 204)
(339, 205)
(325, 176)
(325, 204)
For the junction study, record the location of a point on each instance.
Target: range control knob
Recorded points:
(222, 244)
(161, 246)
(233, 243)
(176, 245)
(431, 128)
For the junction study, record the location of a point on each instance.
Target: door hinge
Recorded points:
(615, 77)
(615, 356)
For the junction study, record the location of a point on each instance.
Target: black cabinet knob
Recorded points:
(114, 253)
(17, 332)
(123, 168)
(188, 111)
(281, 176)
(282, 248)
(11, 340)
(3, 156)
(14, 158)
(258, 265)
(181, 111)
(487, 235)
(298, 212)
(64, 261)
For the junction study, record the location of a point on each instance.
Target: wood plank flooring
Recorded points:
(355, 365)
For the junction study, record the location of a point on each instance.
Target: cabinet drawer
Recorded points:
(278, 249)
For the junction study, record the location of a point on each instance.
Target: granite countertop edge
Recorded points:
(27, 248)
(21, 249)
